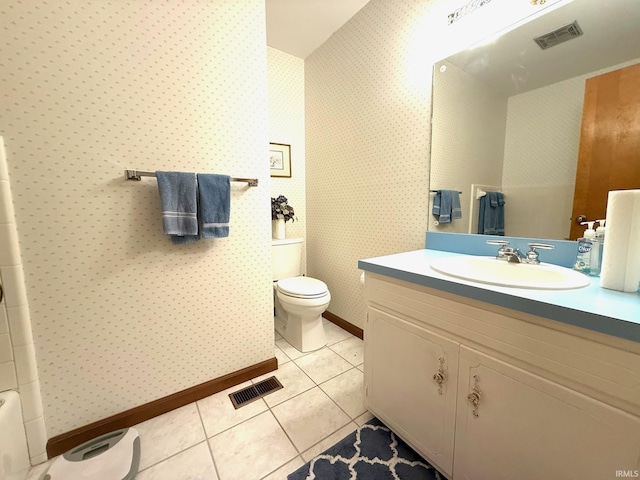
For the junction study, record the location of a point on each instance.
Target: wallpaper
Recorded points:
(468, 129)
(120, 315)
(286, 125)
(552, 113)
(368, 108)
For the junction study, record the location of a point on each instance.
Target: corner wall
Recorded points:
(120, 315)
(368, 108)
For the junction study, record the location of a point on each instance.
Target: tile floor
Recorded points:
(321, 403)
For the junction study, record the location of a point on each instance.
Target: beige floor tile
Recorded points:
(364, 418)
(252, 449)
(323, 364)
(294, 381)
(168, 434)
(288, 349)
(347, 390)
(285, 470)
(351, 349)
(309, 417)
(218, 413)
(281, 356)
(329, 441)
(194, 463)
(334, 333)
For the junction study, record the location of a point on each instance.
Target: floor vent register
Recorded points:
(254, 392)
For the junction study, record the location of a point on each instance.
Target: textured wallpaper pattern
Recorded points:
(286, 125)
(120, 315)
(368, 107)
(367, 145)
(468, 129)
(541, 203)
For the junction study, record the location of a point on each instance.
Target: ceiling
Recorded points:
(513, 63)
(298, 27)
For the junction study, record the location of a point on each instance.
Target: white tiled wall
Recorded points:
(17, 353)
(120, 315)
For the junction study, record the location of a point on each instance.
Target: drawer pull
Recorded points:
(475, 395)
(440, 376)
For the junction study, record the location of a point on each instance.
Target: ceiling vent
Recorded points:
(559, 35)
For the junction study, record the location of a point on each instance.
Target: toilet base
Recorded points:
(305, 334)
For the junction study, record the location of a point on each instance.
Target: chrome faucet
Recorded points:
(513, 255)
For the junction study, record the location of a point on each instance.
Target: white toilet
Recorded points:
(299, 301)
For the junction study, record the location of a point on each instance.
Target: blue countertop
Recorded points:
(592, 307)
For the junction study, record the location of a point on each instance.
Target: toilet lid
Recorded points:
(302, 287)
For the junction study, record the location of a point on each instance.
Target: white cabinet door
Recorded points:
(530, 428)
(401, 360)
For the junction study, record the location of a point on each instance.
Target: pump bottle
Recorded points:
(595, 261)
(585, 244)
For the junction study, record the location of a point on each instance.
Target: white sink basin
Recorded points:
(489, 270)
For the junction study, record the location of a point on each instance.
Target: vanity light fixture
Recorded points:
(538, 2)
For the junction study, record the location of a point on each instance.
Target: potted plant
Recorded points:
(281, 212)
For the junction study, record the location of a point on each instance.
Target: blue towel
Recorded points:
(215, 203)
(491, 214)
(446, 206)
(178, 200)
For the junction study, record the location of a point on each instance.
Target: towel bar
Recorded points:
(136, 175)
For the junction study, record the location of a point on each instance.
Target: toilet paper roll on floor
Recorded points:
(621, 256)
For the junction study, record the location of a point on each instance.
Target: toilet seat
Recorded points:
(302, 287)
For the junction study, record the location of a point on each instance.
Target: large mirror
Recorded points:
(507, 116)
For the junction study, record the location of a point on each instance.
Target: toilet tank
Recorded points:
(285, 257)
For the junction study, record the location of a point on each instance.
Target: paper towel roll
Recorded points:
(621, 256)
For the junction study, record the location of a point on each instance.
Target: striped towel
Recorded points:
(178, 199)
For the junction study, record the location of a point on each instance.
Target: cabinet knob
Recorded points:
(475, 395)
(440, 376)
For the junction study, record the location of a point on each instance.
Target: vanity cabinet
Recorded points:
(519, 398)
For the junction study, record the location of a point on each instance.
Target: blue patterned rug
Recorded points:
(372, 452)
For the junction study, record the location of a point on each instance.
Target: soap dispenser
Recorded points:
(585, 244)
(597, 249)
(601, 230)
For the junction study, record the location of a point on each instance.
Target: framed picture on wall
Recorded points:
(280, 159)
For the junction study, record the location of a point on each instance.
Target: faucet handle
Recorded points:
(503, 247)
(544, 246)
(498, 242)
(532, 254)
